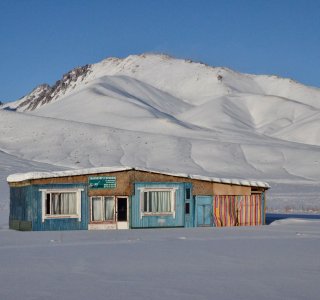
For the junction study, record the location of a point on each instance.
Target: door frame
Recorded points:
(122, 224)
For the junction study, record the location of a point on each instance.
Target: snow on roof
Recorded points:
(40, 175)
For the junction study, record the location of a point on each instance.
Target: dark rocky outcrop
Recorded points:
(45, 93)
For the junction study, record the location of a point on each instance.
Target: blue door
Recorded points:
(203, 211)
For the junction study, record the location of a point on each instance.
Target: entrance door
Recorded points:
(122, 213)
(204, 211)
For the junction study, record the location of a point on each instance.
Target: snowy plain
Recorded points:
(279, 261)
(156, 112)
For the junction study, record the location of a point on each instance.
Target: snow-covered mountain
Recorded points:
(164, 113)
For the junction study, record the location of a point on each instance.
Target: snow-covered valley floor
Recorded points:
(279, 261)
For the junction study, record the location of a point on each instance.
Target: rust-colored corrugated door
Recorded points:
(249, 210)
(225, 211)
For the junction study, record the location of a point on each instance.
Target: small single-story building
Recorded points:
(126, 197)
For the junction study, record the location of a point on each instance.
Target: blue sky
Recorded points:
(40, 40)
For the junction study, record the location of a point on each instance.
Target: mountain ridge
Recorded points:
(194, 84)
(130, 64)
(158, 112)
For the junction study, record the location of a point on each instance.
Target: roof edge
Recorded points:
(20, 177)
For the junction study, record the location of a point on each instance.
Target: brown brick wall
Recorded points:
(126, 179)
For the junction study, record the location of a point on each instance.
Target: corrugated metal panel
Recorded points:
(20, 209)
(225, 211)
(249, 210)
(263, 208)
(239, 210)
(140, 221)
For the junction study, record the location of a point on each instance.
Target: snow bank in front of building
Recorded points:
(247, 263)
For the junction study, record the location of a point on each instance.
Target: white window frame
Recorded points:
(50, 191)
(165, 189)
(102, 204)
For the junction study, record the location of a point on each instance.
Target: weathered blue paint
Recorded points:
(189, 218)
(26, 208)
(140, 221)
(203, 211)
(20, 206)
(26, 205)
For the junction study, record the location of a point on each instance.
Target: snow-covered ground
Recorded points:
(280, 261)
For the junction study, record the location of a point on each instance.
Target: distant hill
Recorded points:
(164, 113)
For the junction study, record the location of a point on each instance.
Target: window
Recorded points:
(188, 193)
(157, 201)
(187, 208)
(61, 204)
(102, 209)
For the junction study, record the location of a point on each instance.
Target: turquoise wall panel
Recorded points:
(189, 218)
(138, 220)
(203, 211)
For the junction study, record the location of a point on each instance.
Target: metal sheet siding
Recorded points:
(239, 210)
(20, 200)
(203, 211)
(139, 221)
(189, 218)
(63, 223)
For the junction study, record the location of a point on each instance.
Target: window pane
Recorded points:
(188, 193)
(164, 201)
(96, 209)
(159, 201)
(61, 203)
(109, 208)
(55, 204)
(152, 202)
(68, 203)
(48, 204)
(187, 208)
(145, 201)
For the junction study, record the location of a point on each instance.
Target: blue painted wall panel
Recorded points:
(140, 221)
(63, 223)
(20, 199)
(189, 218)
(26, 205)
(203, 211)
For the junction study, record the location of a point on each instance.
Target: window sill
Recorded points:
(62, 217)
(103, 222)
(157, 214)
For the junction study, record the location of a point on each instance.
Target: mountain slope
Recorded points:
(174, 115)
(266, 104)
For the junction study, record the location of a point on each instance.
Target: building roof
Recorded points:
(19, 177)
